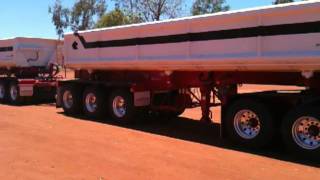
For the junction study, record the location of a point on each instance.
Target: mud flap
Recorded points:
(223, 133)
(26, 89)
(142, 98)
(58, 98)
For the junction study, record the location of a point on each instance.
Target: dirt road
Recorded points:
(39, 142)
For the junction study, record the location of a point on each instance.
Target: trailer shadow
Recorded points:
(199, 132)
(32, 102)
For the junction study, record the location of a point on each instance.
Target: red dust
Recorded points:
(39, 142)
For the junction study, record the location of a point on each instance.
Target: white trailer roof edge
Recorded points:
(232, 12)
(34, 38)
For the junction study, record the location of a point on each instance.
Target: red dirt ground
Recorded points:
(39, 142)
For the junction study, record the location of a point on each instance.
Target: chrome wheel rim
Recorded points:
(306, 132)
(67, 99)
(247, 124)
(91, 102)
(14, 92)
(2, 91)
(119, 107)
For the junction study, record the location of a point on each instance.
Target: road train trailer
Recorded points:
(162, 67)
(28, 69)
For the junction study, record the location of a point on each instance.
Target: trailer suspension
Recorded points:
(205, 104)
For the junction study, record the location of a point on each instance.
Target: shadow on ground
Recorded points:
(209, 134)
(41, 102)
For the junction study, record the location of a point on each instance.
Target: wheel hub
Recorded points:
(119, 106)
(67, 99)
(2, 91)
(13, 92)
(313, 130)
(247, 124)
(91, 102)
(253, 122)
(306, 132)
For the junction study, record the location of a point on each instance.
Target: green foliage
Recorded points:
(60, 17)
(81, 16)
(151, 10)
(115, 18)
(282, 1)
(84, 12)
(208, 6)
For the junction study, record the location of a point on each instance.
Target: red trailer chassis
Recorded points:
(222, 85)
(249, 119)
(19, 85)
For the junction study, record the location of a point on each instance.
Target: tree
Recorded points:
(208, 6)
(114, 18)
(60, 17)
(151, 10)
(81, 16)
(282, 1)
(84, 12)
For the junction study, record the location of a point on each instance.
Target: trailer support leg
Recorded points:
(205, 104)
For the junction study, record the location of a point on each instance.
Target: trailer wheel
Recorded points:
(301, 132)
(14, 94)
(93, 102)
(121, 107)
(3, 91)
(249, 123)
(71, 100)
(178, 101)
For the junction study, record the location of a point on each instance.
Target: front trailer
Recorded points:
(29, 69)
(252, 119)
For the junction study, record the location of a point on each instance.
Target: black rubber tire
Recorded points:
(267, 131)
(75, 108)
(287, 136)
(14, 101)
(100, 99)
(5, 97)
(131, 111)
(180, 104)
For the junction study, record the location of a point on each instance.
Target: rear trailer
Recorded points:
(28, 69)
(165, 67)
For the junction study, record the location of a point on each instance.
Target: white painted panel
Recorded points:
(224, 22)
(28, 52)
(295, 52)
(6, 57)
(292, 45)
(232, 48)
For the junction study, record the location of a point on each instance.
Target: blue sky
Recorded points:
(30, 18)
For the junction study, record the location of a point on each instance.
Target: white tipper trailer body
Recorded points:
(274, 38)
(24, 52)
